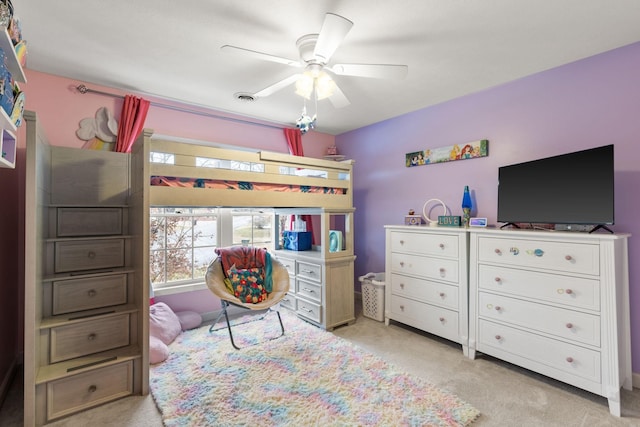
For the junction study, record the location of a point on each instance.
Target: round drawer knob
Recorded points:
(91, 337)
(92, 293)
(401, 285)
(498, 251)
(401, 264)
(570, 359)
(498, 308)
(441, 245)
(92, 389)
(442, 319)
(568, 291)
(442, 294)
(402, 307)
(569, 325)
(498, 337)
(568, 257)
(497, 279)
(402, 242)
(91, 255)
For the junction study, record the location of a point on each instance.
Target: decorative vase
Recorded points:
(466, 206)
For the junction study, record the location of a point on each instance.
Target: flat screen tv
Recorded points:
(573, 188)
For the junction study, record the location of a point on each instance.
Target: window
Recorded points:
(183, 240)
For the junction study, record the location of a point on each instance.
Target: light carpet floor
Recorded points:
(306, 377)
(505, 395)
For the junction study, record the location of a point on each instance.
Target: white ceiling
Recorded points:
(171, 49)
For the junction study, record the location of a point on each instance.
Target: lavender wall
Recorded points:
(589, 103)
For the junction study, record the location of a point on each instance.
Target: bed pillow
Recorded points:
(163, 323)
(247, 284)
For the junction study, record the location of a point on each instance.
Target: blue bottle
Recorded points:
(466, 206)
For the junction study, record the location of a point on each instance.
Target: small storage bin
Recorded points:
(373, 295)
(297, 240)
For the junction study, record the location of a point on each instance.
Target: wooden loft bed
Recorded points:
(170, 173)
(184, 174)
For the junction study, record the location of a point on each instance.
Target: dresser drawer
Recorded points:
(566, 290)
(92, 336)
(81, 391)
(425, 244)
(89, 222)
(425, 290)
(312, 291)
(289, 301)
(566, 324)
(93, 292)
(431, 268)
(309, 271)
(559, 256)
(436, 320)
(539, 353)
(289, 264)
(79, 255)
(310, 310)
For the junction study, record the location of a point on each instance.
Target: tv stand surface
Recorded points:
(599, 226)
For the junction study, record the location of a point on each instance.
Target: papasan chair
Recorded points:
(247, 277)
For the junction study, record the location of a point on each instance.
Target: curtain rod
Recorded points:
(84, 89)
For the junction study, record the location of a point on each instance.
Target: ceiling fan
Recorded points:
(315, 53)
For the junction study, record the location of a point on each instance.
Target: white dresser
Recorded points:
(426, 280)
(553, 302)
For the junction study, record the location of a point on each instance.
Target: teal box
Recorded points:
(296, 240)
(449, 220)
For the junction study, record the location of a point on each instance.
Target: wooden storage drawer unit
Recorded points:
(538, 350)
(572, 291)
(436, 320)
(310, 310)
(425, 290)
(71, 295)
(564, 323)
(91, 336)
(433, 268)
(78, 255)
(560, 256)
(81, 391)
(311, 291)
(82, 221)
(425, 244)
(308, 270)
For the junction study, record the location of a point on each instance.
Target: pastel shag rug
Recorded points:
(308, 377)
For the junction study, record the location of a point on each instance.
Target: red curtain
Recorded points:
(294, 141)
(134, 113)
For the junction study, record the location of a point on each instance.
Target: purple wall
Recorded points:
(589, 103)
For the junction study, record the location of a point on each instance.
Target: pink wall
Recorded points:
(589, 103)
(60, 108)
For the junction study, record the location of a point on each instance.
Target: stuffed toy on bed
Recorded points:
(165, 326)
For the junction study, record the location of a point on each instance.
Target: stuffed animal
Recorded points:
(165, 326)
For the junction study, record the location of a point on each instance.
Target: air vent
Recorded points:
(246, 97)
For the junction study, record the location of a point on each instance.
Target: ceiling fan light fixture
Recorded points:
(325, 86)
(304, 85)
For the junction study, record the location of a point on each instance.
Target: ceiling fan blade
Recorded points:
(259, 55)
(333, 31)
(277, 86)
(376, 71)
(339, 99)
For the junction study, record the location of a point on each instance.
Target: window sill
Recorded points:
(179, 289)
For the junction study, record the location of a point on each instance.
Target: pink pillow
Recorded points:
(163, 323)
(189, 319)
(158, 351)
